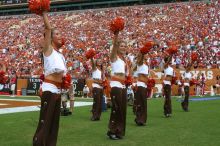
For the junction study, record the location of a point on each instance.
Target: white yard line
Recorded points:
(36, 108)
(3, 104)
(18, 109)
(21, 100)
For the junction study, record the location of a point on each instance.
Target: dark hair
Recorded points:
(166, 59)
(101, 67)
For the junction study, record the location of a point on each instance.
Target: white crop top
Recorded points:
(55, 63)
(143, 69)
(135, 74)
(118, 66)
(97, 74)
(187, 75)
(169, 71)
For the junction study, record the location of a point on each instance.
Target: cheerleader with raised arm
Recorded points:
(118, 93)
(97, 88)
(169, 74)
(187, 78)
(141, 93)
(54, 71)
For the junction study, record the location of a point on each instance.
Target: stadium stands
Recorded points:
(193, 26)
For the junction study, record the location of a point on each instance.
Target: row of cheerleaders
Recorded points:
(122, 76)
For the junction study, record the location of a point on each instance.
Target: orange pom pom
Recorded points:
(128, 81)
(117, 24)
(42, 77)
(174, 80)
(194, 56)
(172, 50)
(39, 6)
(193, 82)
(106, 84)
(150, 83)
(66, 81)
(45, 4)
(90, 53)
(147, 46)
(3, 78)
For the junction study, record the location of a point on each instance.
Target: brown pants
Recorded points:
(141, 102)
(48, 125)
(185, 102)
(117, 122)
(167, 104)
(97, 103)
(134, 103)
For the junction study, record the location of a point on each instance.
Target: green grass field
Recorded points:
(199, 127)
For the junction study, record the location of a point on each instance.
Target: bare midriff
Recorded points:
(168, 78)
(98, 81)
(186, 80)
(143, 77)
(119, 76)
(57, 77)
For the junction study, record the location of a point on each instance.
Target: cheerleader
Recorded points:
(141, 93)
(117, 121)
(168, 75)
(54, 71)
(97, 91)
(187, 76)
(169, 79)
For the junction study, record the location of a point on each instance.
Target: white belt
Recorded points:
(116, 84)
(186, 84)
(166, 82)
(95, 85)
(141, 84)
(50, 87)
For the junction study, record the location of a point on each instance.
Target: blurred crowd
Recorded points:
(193, 26)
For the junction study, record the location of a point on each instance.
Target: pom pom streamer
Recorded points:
(117, 24)
(39, 6)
